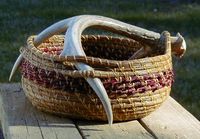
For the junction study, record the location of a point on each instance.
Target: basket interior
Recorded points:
(106, 47)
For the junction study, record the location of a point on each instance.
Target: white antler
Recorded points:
(115, 26)
(16, 65)
(72, 45)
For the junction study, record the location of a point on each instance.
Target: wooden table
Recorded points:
(20, 120)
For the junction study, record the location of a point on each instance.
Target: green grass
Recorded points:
(22, 18)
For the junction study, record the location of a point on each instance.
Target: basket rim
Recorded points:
(101, 61)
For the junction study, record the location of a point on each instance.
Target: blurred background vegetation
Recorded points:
(22, 18)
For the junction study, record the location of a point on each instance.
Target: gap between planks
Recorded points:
(79, 130)
(147, 128)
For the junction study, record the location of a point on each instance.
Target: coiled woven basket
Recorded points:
(136, 87)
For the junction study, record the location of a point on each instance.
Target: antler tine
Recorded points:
(74, 48)
(15, 67)
(53, 29)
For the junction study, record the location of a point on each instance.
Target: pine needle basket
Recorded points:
(136, 87)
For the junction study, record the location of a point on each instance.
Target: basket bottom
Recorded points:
(83, 106)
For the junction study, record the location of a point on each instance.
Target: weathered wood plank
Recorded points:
(126, 130)
(171, 121)
(21, 121)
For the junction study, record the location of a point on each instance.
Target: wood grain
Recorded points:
(171, 121)
(126, 130)
(21, 121)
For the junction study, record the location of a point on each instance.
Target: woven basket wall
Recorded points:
(135, 87)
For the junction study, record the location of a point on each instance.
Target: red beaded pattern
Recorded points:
(129, 85)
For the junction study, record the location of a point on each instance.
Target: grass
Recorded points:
(22, 18)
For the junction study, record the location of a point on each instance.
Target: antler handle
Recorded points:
(131, 31)
(72, 45)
